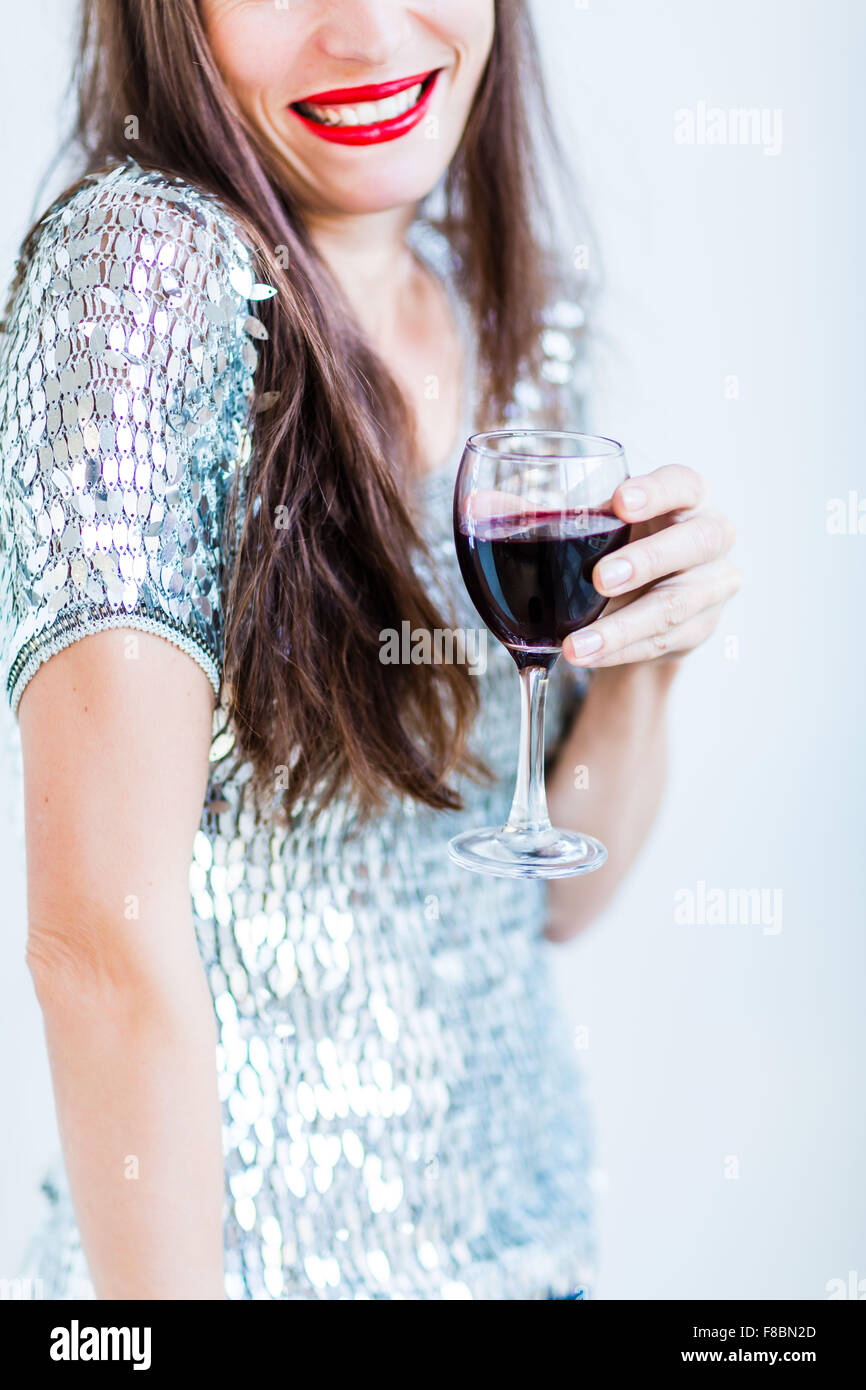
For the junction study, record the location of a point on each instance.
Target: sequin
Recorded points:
(402, 1115)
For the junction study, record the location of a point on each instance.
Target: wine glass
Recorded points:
(532, 517)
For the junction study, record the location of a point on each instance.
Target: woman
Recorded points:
(241, 360)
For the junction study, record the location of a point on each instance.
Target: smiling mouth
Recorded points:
(368, 115)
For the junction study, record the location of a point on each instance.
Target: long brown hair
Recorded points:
(306, 601)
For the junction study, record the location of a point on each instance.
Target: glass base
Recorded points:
(527, 853)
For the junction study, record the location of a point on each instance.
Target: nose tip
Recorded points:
(363, 31)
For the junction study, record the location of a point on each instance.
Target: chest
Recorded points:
(426, 356)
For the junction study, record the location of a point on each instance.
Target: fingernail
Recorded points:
(613, 573)
(582, 643)
(633, 498)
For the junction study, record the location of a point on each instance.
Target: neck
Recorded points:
(368, 256)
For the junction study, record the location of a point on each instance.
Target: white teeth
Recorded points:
(366, 112)
(391, 106)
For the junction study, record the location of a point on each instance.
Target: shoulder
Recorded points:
(128, 239)
(126, 379)
(134, 271)
(130, 199)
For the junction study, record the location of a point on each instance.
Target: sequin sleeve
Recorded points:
(126, 371)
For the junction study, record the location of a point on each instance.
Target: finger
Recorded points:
(682, 546)
(668, 489)
(677, 642)
(661, 610)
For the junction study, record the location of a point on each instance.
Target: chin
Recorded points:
(365, 149)
(376, 192)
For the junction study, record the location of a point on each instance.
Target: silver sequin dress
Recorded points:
(402, 1112)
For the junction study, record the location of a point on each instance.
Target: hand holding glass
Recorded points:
(532, 517)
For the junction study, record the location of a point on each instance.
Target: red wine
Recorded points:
(530, 575)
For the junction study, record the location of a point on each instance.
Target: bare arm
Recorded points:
(115, 769)
(667, 588)
(620, 740)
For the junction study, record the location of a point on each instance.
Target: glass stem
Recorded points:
(529, 807)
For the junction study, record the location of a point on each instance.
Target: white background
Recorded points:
(711, 1049)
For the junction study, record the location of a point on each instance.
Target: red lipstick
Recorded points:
(378, 131)
(376, 92)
